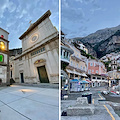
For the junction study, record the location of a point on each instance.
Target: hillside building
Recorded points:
(77, 67)
(97, 72)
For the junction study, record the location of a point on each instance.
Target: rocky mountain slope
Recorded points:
(102, 41)
(111, 44)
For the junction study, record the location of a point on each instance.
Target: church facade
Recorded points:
(39, 61)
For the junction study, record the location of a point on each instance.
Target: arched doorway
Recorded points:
(41, 69)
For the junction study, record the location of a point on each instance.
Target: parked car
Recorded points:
(105, 92)
(117, 92)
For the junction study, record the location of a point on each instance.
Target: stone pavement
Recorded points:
(29, 103)
(40, 85)
(100, 110)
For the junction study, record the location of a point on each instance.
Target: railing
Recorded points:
(77, 68)
(67, 58)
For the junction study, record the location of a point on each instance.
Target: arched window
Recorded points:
(2, 45)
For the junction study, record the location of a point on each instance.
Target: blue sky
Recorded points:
(82, 17)
(16, 14)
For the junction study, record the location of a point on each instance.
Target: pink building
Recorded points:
(96, 72)
(95, 67)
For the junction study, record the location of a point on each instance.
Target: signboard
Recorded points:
(1, 58)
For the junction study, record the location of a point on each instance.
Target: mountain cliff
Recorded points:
(111, 44)
(102, 41)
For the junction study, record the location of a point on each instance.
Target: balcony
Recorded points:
(65, 54)
(74, 57)
(67, 49)
(76, 68)
(65, 59)
(80, 70)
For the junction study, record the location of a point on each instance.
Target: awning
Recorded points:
(73, 72)
(69, 71)
(96, 80)
(105, 81)
(89, 81)
(77, 73)
(100, 81)
(74, 80)
(84, 82)
(83, 74)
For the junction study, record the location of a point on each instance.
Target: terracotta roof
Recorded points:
(43, 17)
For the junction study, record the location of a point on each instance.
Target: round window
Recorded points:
(34, 37)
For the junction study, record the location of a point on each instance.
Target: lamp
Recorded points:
(2, 45)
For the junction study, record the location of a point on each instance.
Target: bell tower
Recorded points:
(4, 56)
(113, 65)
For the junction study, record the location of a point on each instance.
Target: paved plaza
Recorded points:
(29, 103)
(103, 111)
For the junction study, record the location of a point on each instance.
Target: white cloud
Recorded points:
(3, 6)
(85, 1)
(10, 23)
(23, 13)
(89, 1)
(16, 14)
(11, 7)
(79, 1)
(65, 3)
(95, 8)
(6, 4)
(73, 14)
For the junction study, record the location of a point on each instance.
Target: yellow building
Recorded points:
(113, 76)
(81, 46)
(77, 67)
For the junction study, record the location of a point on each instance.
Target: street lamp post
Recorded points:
(108, 82)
